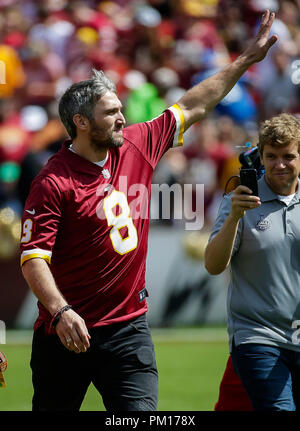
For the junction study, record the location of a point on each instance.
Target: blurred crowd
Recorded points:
(154, 50)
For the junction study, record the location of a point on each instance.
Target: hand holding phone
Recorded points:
(248, 178)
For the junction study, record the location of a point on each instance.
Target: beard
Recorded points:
(282, 187)
(100, 138)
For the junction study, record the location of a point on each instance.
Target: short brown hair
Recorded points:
(279, 131)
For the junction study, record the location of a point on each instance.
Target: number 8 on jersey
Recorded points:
(121, 245)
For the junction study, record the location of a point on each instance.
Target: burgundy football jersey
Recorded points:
(91, 223)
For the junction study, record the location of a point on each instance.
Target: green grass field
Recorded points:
(191, 363)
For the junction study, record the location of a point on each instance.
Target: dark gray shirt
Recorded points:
(263, 301)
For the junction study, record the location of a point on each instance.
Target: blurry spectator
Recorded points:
(227, 136)
(201, 166)
(150, 105)
(47, 136)
(14, 27)
(12, 71)
(14, 138)
(266, 69)
(43, 68)
(165, 79)
(231, 136)
(289, 14)
(232, 28)
(9, 177)
(53, 30)
(147, 52)
(280, 93)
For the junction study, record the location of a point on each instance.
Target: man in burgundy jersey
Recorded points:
(84, 241)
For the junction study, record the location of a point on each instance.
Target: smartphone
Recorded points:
(249, 179)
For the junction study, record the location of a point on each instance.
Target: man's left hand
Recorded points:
(258, 49)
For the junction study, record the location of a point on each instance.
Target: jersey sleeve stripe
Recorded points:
(179, 117)
(34, 253)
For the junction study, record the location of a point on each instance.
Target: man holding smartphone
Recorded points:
(262, 247)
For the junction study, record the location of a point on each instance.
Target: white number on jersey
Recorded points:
(121, 245)
(295, 335)
(27, 230)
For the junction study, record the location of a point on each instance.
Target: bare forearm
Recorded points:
(40, 279)
(71, 328)
(199, 100)
(202, 98)
(219, 250)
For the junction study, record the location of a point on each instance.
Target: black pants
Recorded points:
(120, 363)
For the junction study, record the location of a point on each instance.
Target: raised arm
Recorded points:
(202, 98)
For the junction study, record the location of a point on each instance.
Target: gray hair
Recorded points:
(82, 97)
